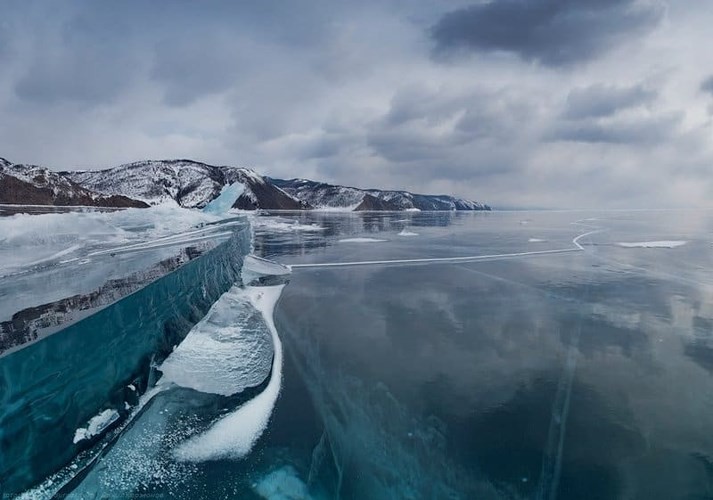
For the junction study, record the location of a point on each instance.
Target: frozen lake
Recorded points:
(456, 355)
(583, 374)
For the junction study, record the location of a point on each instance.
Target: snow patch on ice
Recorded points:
(412, 209)
(361, 240)
(96, 425)
(653, 244)
(536, 240)
(234, 435)
(407, 233)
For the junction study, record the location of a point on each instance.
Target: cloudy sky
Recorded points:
(542, 103)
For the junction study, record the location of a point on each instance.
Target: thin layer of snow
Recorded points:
(361, 240)
(653, 244)
(96, 425)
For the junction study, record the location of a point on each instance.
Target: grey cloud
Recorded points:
(644, 131)
(707, 85)
(453, 136)
(327, 146)
(355, 94)
(195, 65)
(603, 100)
(80, 62)
(91, 52)
(550, 32)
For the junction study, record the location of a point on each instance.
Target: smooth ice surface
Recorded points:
(96, 425)
(226, 352)
(234, 435)
(226, 199)
(653, 244)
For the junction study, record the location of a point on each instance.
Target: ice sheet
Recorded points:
(27, 241)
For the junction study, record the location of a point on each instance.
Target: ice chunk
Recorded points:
(653, 244)
(234, 435)
(226, 199)
(96, 425)
(226, 352)
(255, 267)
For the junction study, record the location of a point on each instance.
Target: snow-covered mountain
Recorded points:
(192, 184)
(321, 195)
(188, 183)
(33, 185)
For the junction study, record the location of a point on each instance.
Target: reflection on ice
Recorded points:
(373, 446)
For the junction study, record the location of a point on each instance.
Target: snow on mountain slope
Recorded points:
(192, 184)
(322, 195)
(187, 183)
(33, 185)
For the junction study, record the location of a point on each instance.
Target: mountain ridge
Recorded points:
(327, 195)
(194, 184)
(33, 185)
